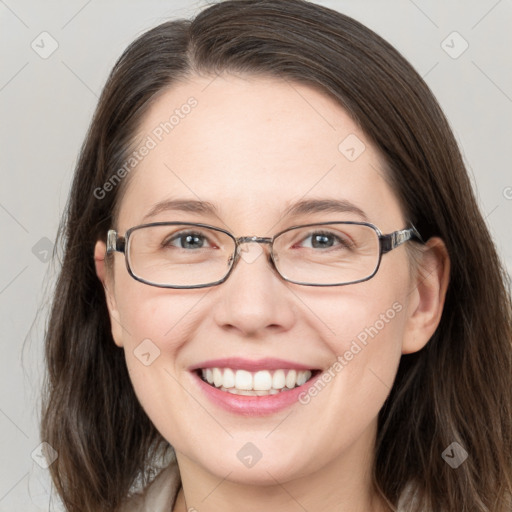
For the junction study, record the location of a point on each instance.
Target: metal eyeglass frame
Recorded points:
(387, 243)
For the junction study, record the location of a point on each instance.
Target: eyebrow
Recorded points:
(183, 205)
(303, 207)
(310, 206)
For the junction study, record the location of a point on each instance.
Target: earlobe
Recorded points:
(431, 285)
(100, 251)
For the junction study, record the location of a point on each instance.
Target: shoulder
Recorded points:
(159, 495)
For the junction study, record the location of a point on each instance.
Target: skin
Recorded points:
(253, 146)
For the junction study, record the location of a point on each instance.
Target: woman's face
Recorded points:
(251, 148)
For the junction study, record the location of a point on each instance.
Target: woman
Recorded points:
(278, 291)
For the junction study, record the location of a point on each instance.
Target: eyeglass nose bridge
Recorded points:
(253, 239)
(240, 241)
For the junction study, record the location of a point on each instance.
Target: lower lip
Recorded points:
(253, 405)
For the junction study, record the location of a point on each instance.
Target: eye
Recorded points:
(323, 240)
(188, 240)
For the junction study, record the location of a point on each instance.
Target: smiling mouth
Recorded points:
(260, 383)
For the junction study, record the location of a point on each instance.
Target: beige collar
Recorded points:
(160, 495)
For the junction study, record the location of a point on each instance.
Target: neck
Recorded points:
(343, 484)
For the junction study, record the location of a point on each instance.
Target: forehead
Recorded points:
(253, 146)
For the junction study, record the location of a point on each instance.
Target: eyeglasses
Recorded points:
(191, 255)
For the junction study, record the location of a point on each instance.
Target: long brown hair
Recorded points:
(457, 389)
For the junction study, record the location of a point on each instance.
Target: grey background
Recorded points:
(46, 105)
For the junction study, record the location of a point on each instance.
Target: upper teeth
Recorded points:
(262, 380)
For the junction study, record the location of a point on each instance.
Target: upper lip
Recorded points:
(239, 363)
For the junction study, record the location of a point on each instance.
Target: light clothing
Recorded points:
(160, 495)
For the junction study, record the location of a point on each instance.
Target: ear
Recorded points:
(428, 296)
(107, 279)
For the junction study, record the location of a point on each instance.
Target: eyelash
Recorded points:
(177, 236)
(340, 241)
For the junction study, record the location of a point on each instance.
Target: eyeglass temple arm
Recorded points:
(114, 242)
(393, 240)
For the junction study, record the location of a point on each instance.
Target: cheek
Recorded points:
(363, 326)
(366, 352)
(157, 325)
(369, 354)
(360, 319)
(161, 315)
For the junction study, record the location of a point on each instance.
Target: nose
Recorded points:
(254, 300)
